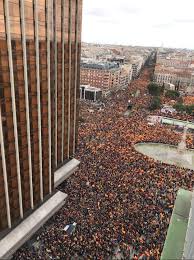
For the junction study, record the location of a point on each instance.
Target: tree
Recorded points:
(189, 109)
(155, 103)
(154, 89)
(172, 94)
(162, 88)
(179, 107)
(180, 100)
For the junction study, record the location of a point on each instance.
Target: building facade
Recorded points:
(40, 43)
(125, 76)
(90, 93)
(175, 68)
(104, 75)
(136, 67)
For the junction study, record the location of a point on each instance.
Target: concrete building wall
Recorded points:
(40, 45)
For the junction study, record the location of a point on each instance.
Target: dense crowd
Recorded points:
(121, 200)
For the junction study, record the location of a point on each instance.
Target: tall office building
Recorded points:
(40, 43)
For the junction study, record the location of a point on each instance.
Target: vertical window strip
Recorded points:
(69, 97)
(56, 74)
(7, 27)
(22, 20)
(4, 172)
(48, 14)
(52, 85)
(38, 93)
(76, 72)
(63, 76)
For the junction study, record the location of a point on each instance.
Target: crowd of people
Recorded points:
(119, 198)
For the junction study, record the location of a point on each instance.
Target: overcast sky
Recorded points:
(139, 22)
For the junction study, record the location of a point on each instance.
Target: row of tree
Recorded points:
(156, 91)
(189, 109)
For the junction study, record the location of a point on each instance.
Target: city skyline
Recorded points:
(162, 23)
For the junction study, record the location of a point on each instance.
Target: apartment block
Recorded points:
(125, 75)
(104, 75)
(137, 64)
(174, 67)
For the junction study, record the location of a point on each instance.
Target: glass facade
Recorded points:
(40, 44)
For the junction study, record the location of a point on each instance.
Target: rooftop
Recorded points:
(99, 65)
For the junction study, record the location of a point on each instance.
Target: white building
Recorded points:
(125, 75)
(137, 65)
(90, 93)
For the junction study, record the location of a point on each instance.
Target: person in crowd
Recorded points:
(121, 200)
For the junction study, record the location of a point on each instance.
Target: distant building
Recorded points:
(137, 65)
(169, 86)
(90, 93)
(125, 75)
(175, 68)
(117, 59)
(128, 69)
(103, 75)
(164, 76)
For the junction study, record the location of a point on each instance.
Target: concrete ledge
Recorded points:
(175, 239)
(65, 171)
(18, 236)
(189, 240)
(173, 121)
